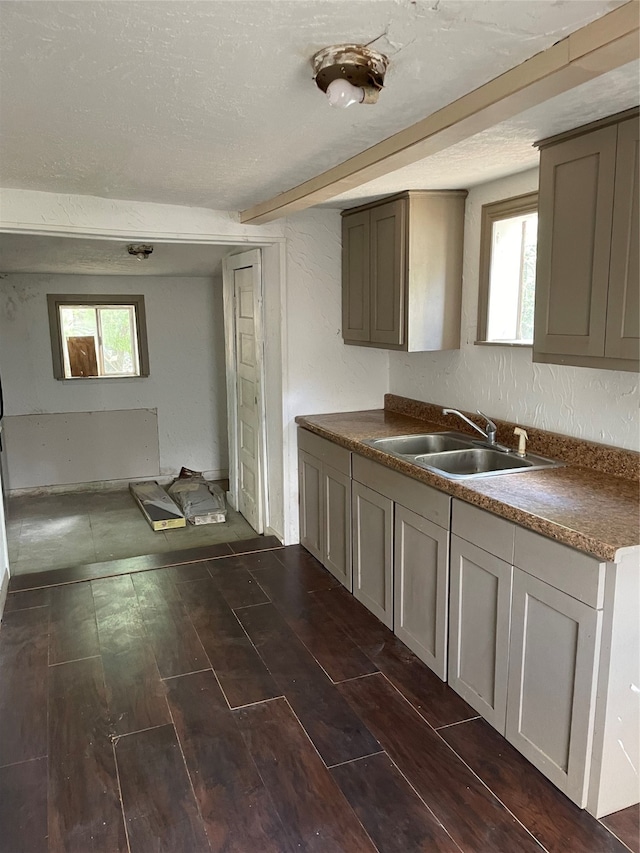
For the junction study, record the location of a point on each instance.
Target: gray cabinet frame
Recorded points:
(421, 581)
(623, 308)
(479, 625)
(311, 503)
(372, 528)
(587, 281)
(402, 271)
(552, 682)
(324, 484)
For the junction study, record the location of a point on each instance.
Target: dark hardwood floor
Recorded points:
(245, 702)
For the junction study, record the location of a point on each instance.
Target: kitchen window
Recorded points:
(98, 337)
(508, 244)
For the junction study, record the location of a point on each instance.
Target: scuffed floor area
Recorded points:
(52, 531)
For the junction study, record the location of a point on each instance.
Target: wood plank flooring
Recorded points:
(245, 702)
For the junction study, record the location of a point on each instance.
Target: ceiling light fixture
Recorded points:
(141, 251)
(349, 73)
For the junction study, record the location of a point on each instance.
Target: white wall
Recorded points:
(186, 352)
(322, 374)
(601, 405)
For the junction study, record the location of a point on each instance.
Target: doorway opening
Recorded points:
(198, 347)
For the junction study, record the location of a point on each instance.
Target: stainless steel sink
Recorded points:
(457, 456)
(480, 461)
(415, 445)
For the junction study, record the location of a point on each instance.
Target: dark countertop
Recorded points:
(595, 512)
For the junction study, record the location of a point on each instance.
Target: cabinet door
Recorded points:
(552, 680)
(372, 520)
(355, 277)
(388, 272)
(623, 313)
(336, 491)
(479, 629)
(574, 238)
(311, 503)
(420, 569)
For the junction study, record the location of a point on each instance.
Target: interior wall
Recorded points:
(322, 374)
(600, 405)
(187, 375)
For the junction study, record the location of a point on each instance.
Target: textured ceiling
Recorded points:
(211, 103)
(26, 253)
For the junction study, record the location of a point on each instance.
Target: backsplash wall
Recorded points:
(600, 405)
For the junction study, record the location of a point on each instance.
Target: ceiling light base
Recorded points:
(359, 65)
(141, 251)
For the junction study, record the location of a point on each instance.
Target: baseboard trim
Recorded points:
(108, 485)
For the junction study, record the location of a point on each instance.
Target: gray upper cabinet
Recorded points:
(387, 273)
(587, 285)
(402, 271)
(623, 307)
(355, 271)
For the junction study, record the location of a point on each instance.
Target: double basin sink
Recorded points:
(457, 456)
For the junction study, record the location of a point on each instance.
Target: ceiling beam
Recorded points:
(599, 47)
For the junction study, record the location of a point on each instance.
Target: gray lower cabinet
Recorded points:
(311, 503)
(539, 638)
(421, 568)
(552, 682)
(372, 526)
(544, 642)
(324, 483)
(336, 491)
(479, 620)
(401, 557)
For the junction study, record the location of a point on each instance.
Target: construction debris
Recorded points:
(201, 502)
(156, 505)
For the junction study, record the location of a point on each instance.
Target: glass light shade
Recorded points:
(342, 94)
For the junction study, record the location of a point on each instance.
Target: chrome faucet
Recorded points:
(490, 430)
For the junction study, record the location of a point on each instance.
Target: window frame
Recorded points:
(57, 300)
(495, 211)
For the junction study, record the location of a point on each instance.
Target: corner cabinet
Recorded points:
(528, 650)
(588, 277)
(324, 481)
(402, 271)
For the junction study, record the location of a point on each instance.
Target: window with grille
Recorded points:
(98, 337)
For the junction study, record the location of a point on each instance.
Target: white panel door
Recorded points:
(244, 344)
(248, 422)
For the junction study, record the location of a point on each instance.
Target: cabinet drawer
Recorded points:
(564, 568)
(483, 529)
(419, 498)
(326, 451)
